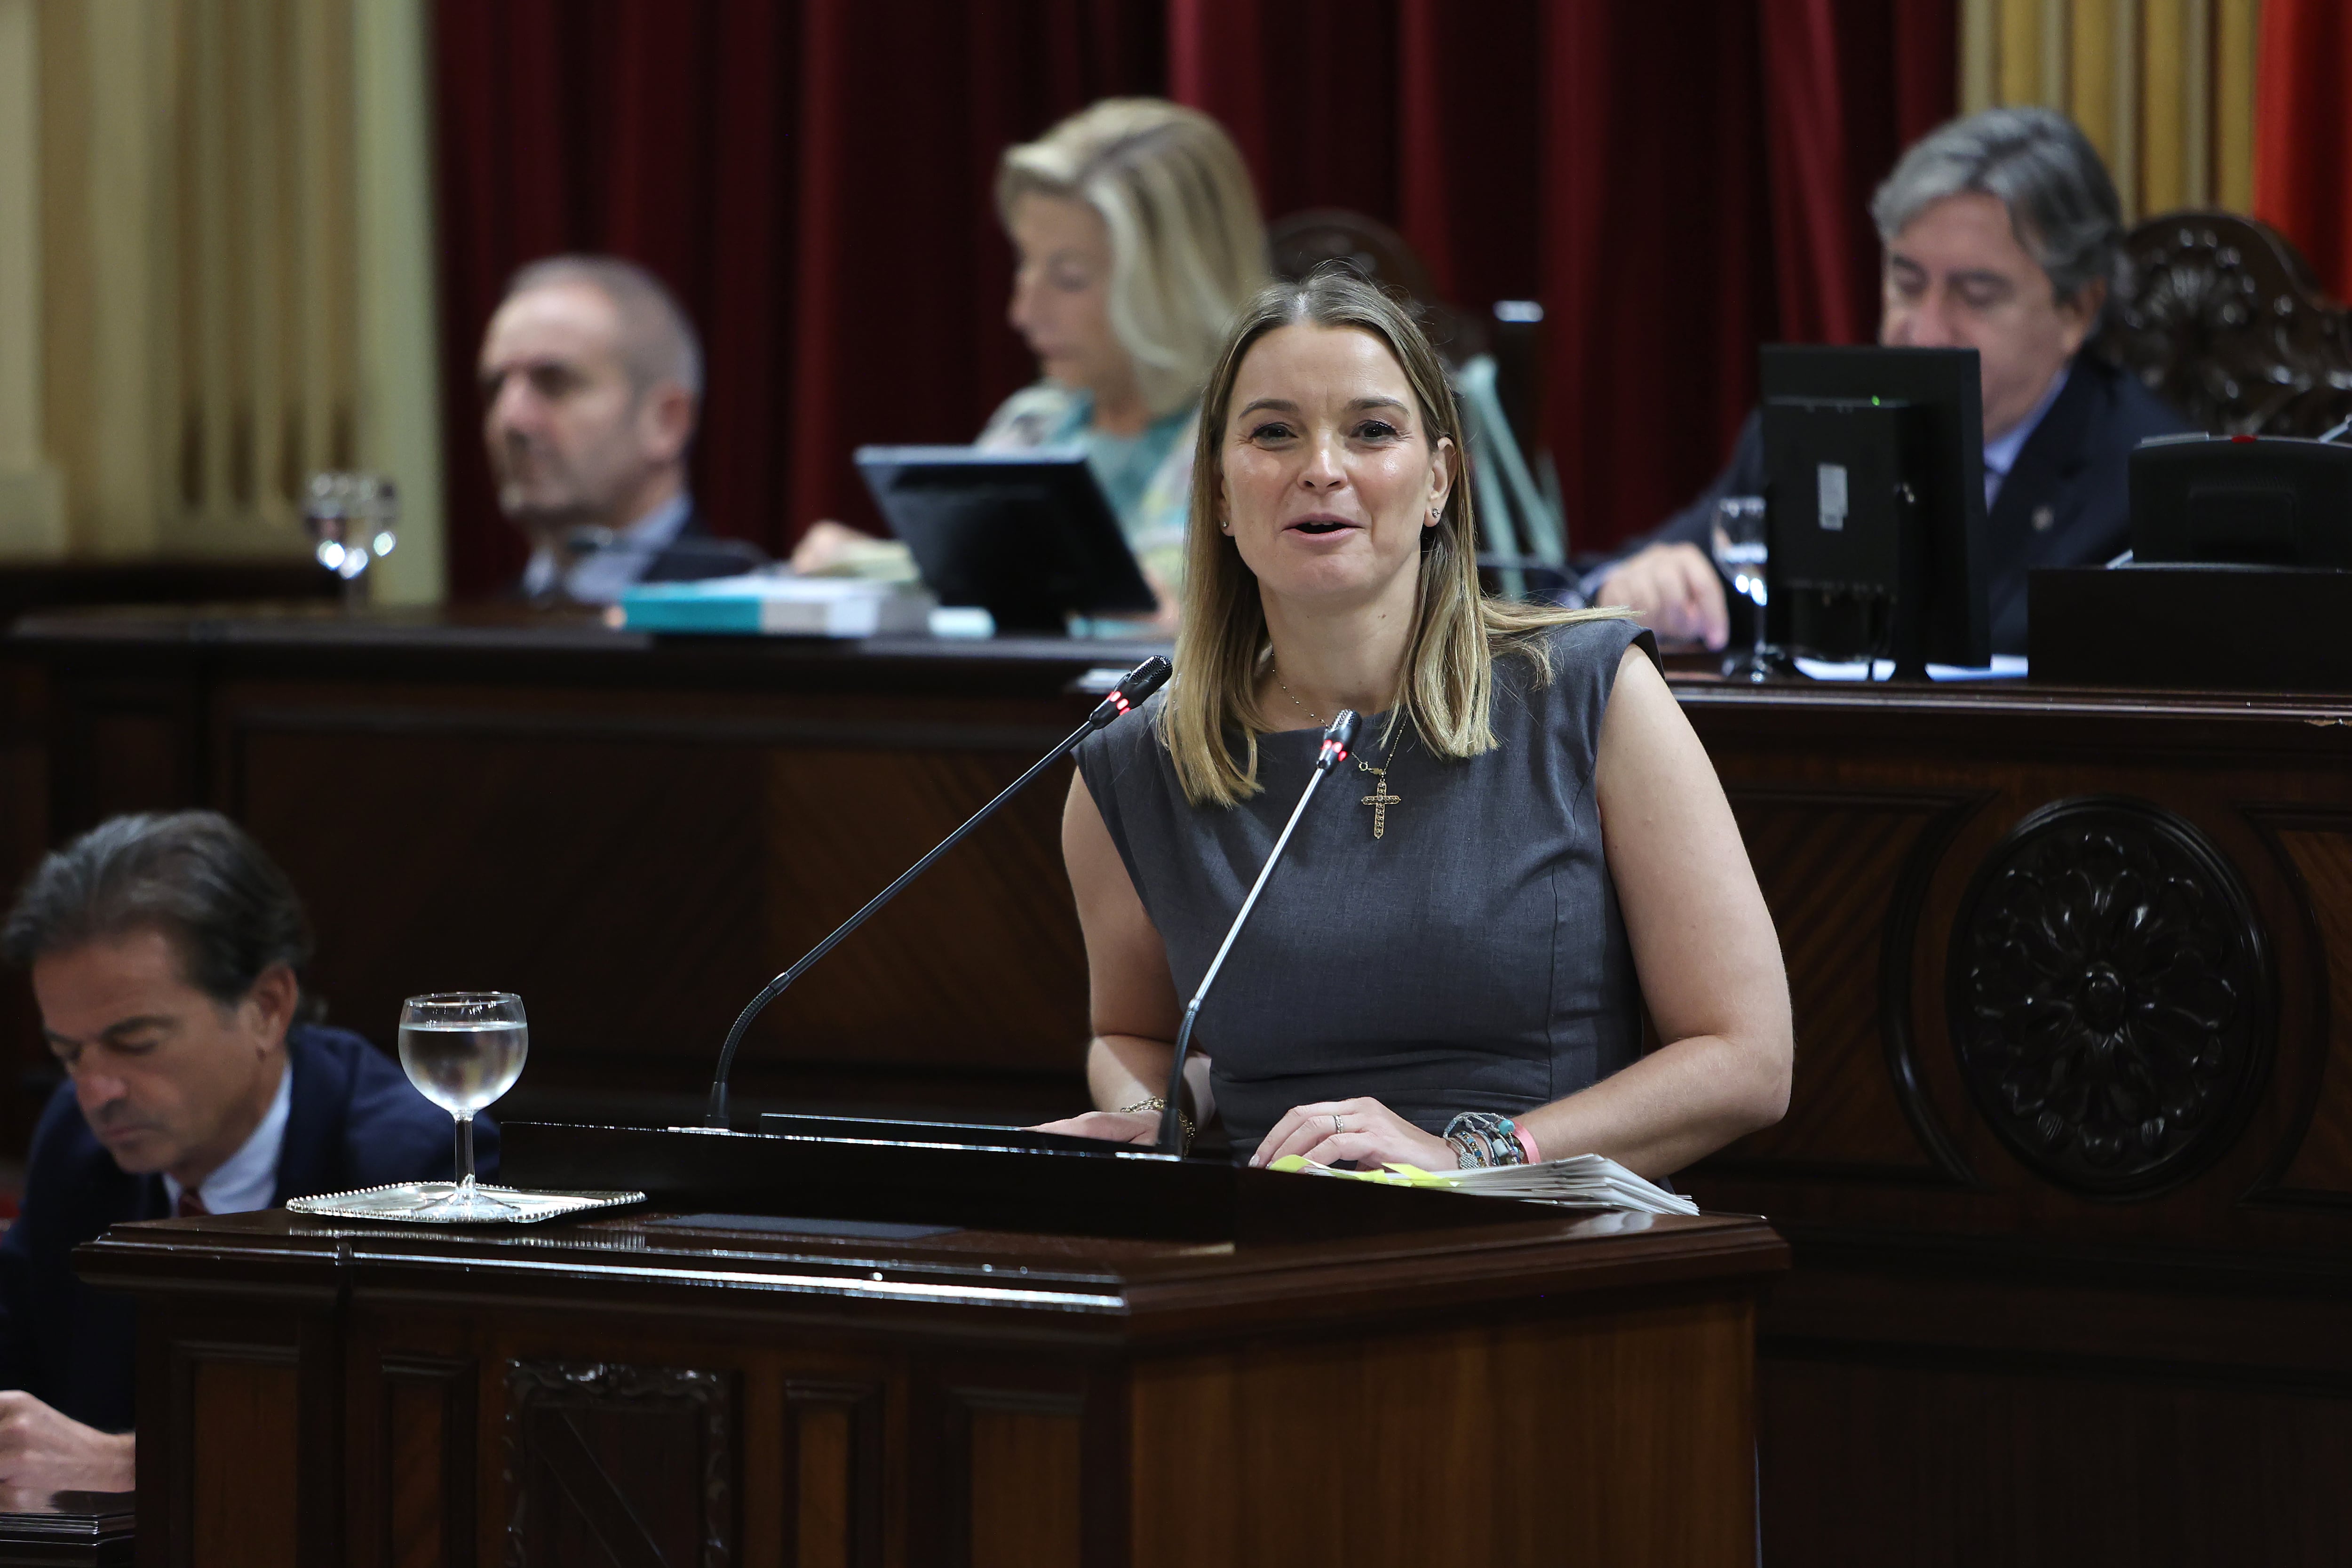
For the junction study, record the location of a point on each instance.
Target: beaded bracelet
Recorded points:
(1482, 1139)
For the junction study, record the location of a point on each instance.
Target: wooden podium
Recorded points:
(1349, 1373)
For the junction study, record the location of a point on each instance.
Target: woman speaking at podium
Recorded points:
(1449, 963)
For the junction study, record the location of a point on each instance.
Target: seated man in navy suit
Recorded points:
(591, 384)
(166, 955)
(2002, 234)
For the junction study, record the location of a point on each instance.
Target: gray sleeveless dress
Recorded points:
(1473, 958)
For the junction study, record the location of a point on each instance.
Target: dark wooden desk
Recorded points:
(1994, 1347)
(2031, 1324)
(637, 1390)
(67, 1530)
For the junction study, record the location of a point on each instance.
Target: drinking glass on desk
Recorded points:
(462, 1050)
(1741, 550)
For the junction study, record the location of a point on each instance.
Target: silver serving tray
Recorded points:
(429, 1203)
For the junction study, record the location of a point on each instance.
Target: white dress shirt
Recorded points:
(599, 579)
(2001, 455)
(247, 1179)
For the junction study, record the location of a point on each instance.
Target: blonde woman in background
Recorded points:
(1137, 237)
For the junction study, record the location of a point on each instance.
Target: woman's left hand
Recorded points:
(1364, 1130)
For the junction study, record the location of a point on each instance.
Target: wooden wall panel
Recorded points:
(2322, 854)
(242, 1469)
(832, 1473)
(620, 1463)
(1843, 875)
(937, 952)
(1025, 1491)
(1289, 1455)
(526, 865)
(429, 1459)
(637, 875)
(1953, 1463)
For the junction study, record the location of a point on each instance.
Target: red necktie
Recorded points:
(189, 1203)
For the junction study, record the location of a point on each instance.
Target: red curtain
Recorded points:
(814, 179)
(1707, 170)
(2302, 133)
(1677, 182)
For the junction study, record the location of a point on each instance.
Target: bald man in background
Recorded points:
(592, 387)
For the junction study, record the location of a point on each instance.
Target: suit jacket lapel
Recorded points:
(2052, 454)
(305, 1160)
(2048, 461)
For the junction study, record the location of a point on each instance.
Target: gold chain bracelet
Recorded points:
(1155, 1103)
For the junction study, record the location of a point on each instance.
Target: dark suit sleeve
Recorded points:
(16, 1303)
(1743, 476)
(21, 1258)
(392, 1133)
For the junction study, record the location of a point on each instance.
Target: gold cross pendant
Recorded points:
(1380, 800)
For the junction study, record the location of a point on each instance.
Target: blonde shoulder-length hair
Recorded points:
(1187, 244)
(1222, 644)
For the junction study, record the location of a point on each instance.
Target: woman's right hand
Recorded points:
(1111, 1126)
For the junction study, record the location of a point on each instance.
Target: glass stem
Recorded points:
(1756, 654)
(464, 1156)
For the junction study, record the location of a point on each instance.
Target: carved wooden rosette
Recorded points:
(623, 1463)
(2110, 996)
(2223, 320)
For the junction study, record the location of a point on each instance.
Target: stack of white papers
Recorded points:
(1581, 1181)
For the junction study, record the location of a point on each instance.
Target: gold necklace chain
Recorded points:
(1381, 799)
(1294, 695)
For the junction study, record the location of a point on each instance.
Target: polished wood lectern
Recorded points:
(1515, 1385)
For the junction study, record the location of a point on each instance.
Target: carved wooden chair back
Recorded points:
(1297, 245)
(1521, 522)
(2226, 322)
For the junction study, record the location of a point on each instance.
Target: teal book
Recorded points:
(778, 604)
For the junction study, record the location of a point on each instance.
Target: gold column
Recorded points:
(2234, 26)
(32, 512)
(2020, 73)
(2164, 88)
(110, 107)
(1979, 54)
(2123, 148)
(2091, 95)
(235, 278)
(399, 364)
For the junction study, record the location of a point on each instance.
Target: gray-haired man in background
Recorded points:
(2003, 235)
(591, 385)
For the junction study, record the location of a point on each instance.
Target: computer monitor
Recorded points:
(1875, 490)
(2240, 500)
(1026, 535)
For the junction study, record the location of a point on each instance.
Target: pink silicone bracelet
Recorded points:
(1527, 1143)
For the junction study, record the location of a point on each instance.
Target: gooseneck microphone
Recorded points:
(1336, 740)
(1135, 686)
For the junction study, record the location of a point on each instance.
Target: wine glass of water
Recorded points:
(462, 1050)
(1742, 550)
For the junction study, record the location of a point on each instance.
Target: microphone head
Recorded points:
(1129, 693)
(1339, 738)
(1137, 684)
